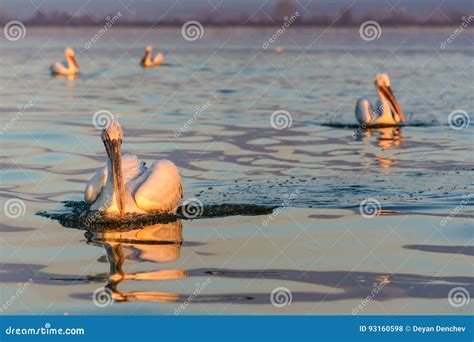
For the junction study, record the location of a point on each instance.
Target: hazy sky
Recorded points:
(25, 8)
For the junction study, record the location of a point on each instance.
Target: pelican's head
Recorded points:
(382, 80)
(71, 58)
(149, 48)
(112, 138)
(382, 84)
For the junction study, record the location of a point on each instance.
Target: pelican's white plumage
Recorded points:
(154, 189)
(72, 66)
(383, 115)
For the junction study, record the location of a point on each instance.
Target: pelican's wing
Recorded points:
(132, 167)
(363, 111)
(95, 185)
(159, 188)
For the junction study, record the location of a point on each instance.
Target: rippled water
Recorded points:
(208, 109)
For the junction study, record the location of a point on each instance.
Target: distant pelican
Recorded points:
(72, 66)
(147, 62)
(383, 115)
(126, 185)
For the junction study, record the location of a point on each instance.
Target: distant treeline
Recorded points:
(345, 18)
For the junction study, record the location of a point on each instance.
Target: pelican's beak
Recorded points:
(74, 62)
(113, 148)
(387, 91)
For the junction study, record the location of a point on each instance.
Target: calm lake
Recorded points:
(209, 110)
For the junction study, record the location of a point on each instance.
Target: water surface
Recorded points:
(318, 245)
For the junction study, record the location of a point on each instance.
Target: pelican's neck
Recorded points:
(147, 57)
(109, 186)
(386, 112)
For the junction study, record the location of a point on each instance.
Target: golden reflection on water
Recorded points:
(159, 244)
(387, 137)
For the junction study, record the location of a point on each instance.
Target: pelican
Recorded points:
(72, 66)
(383, 115)
(126, 185)
(147, 62)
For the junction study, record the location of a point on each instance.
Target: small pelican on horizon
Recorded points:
(147, 62)
(126, 185)
(72, 66)
(383, 115)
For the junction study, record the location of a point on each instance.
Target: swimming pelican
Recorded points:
(383, 115)
(72, 66)
(147, 62)
(126, 185)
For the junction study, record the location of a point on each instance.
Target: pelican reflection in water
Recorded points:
(159, 244)
(387, 137)
(382, 115)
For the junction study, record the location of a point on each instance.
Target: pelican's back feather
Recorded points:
(159, 58)
(363, 111)
(160, 188)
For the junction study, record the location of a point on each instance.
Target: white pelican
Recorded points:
(147, 62)
(72, 66)
(126, 185)
(383, 115)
